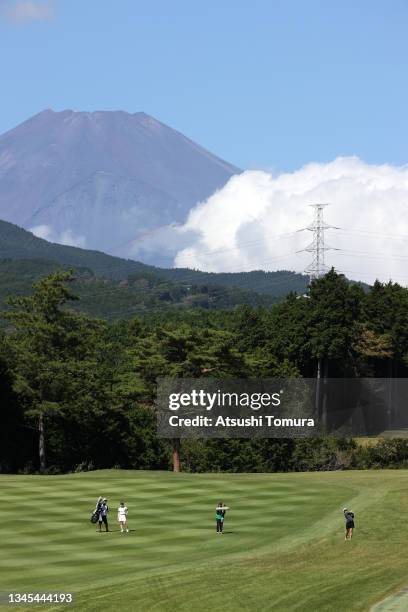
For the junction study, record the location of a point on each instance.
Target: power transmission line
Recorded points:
(374, 234)
(369, 255)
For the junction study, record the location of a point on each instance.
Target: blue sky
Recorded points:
(262, 83)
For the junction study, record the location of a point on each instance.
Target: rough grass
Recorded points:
(283, 547)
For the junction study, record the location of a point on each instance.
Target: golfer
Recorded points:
(103, 514)
(219, 517)
(349, 518)
(98, 503)
(122, 517)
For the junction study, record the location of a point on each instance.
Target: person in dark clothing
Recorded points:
(219, 517)
(349, 518)
(103, 514)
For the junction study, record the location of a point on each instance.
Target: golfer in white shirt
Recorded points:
(122, 517)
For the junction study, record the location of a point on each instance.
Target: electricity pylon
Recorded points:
(317, 247)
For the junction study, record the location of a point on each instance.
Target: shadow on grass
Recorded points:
(114, 531)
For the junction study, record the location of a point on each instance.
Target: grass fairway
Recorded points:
(283, 548)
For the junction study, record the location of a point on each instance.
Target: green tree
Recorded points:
(50, 352)
(385, 310)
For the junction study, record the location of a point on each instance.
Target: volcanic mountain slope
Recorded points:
(102, 180)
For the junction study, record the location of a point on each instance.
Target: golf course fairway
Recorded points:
(283, 547)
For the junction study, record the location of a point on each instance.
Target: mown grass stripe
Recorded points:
(284, 534)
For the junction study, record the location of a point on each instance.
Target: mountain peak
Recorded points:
(102, 179)
(69, 111)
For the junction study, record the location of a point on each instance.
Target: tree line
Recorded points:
(78, 393)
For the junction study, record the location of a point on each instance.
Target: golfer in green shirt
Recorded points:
(219, 516)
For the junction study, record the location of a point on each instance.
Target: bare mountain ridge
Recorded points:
(103, 179)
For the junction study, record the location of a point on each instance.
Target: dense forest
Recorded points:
(113, 299)
(78, 393)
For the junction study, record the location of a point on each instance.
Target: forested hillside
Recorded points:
(111, 299)
(16, 243)
(77, 393)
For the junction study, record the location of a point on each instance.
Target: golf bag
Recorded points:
(95, 516)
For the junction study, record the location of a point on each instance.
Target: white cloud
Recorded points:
(26, 11)
(157, 246)
(244, 226)
(42, 231)
(66, 237)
